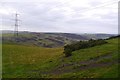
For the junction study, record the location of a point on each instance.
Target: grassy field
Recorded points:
(30, 61)
(23, 61)
(96, 62)
(0, 59)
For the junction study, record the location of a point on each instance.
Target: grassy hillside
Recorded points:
(98, 35)
(21, 61)
(0, 59)
(95, 62)
(29, 61)
(48, 40)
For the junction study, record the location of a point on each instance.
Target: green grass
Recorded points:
(19, 59)
(0, 60)
(106, 72)
(8, 35)
(30, 62)
(111, 52)
(20, 35)
(86, 54)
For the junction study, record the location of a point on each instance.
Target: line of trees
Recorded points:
(68, 49)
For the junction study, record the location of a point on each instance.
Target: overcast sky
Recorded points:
(71, 16)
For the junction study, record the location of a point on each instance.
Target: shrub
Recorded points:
(68, 49)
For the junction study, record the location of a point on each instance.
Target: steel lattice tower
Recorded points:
(16, 25)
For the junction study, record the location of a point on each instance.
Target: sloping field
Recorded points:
(22, 61)
(48, 40)
(95, 62)
(29, 62)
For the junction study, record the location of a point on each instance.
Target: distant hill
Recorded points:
(48, 39)
(42, 39)
(69, 35)
(6, 31)
(98, 36)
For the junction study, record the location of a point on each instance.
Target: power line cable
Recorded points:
(103, 5)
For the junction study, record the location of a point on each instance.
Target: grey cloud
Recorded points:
(40, 16)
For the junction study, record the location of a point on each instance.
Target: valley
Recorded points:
(25, 60)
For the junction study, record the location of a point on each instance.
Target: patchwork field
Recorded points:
(20, 61)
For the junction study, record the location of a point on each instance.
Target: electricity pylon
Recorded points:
(16, 25)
